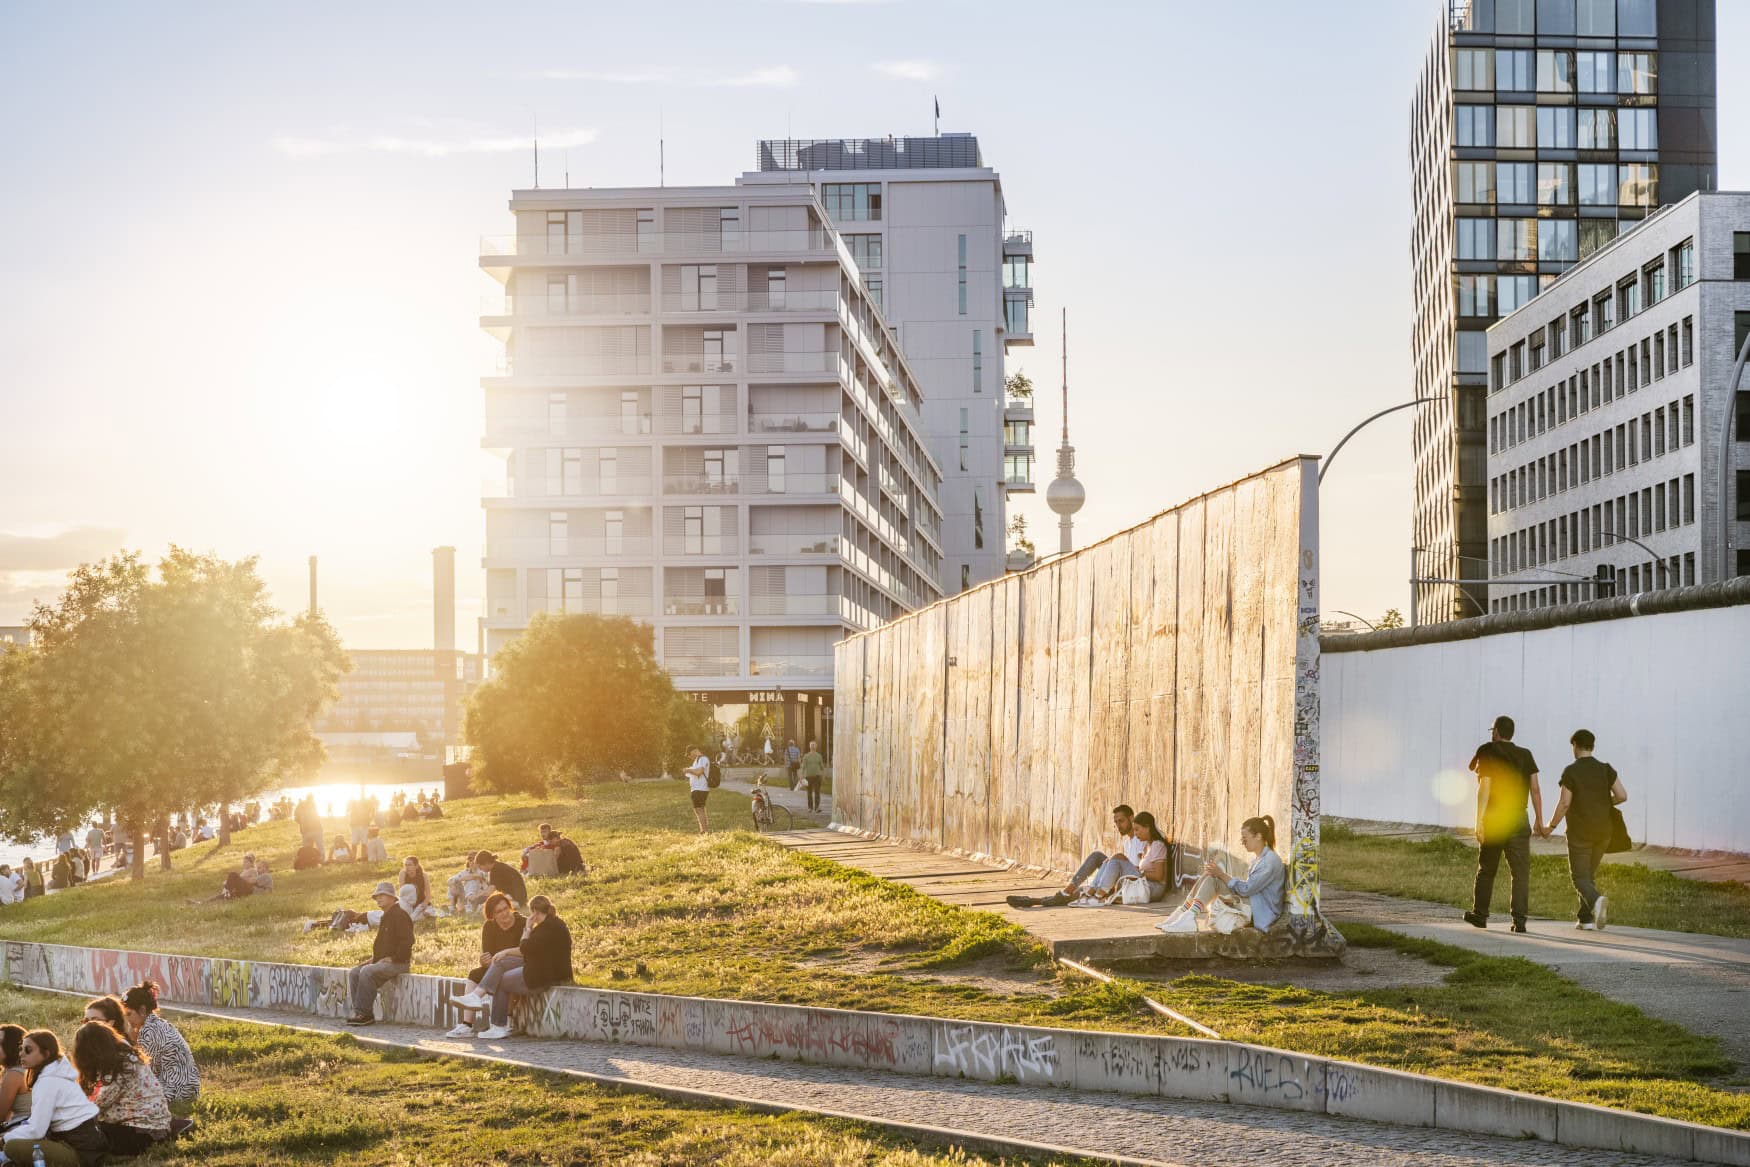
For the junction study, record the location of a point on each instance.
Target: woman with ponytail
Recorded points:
(1260, 893)
(168, 1051)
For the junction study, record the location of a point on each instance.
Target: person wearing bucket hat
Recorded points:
(391, 955)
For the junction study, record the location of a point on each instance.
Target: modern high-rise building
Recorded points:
(925, 220)
(1617, 463)
(1537, 129)
(705, 424)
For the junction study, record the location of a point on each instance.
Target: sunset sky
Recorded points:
(239, 305)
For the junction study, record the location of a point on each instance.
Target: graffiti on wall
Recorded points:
(1303, 859)
(988, 1052)
(228, 982)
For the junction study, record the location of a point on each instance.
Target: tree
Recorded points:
(761, 723)
(1392, 619)
(573, 700)
(147, 695)
(1020, 386)
(1018, 531)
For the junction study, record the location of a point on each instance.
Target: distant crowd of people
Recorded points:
(108, 1095)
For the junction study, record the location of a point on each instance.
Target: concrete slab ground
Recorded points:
(1700, 982)
(1710, 866)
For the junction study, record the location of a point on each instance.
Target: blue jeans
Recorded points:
(497, 984)
(1106, 872)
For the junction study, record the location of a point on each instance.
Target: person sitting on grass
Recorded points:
(339, 852)
(62, 1124)
(544, 843)
(376, 851)
(33, 878)
(391, 956)
(502, 932)
(570, 858)
(545, 961)
(131, 1111)
(171, 1059)
(1259, 895)
(61, 874)
(502, 876)
(238, 884)
(108, 1011)
(14, 1086)
(308, 856)
(468, 887)
(412, 874)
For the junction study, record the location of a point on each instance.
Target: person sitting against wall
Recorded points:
(1259, 895)
(171, 1059)
(502, 932)
(131, 1111)
(1097, 866)
(546, 961)
(62, 1123)
(391, 956)
(14, 1079)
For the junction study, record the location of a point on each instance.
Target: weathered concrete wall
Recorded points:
(1171, 1067)
(1173, 667)
(1663, 693)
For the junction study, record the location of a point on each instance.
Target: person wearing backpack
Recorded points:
(1591, 791)
(700, 777)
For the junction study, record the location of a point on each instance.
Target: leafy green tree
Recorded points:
(573, 700)
(145, 696)
(1392, 619)
(1020, 386)
(689, 724)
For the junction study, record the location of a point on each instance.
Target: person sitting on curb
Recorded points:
(1130, 849)
(391, 956)
(62, 1124)
(546, 961)
(131, 1111)
(502, 932)
(1259, 894)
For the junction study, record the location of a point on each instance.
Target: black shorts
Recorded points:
(699, 797)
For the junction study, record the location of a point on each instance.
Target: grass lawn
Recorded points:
(279, 1097)
(732, 915)
(1499, 1021)
(1441, 870)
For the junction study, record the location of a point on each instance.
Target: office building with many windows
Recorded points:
(1619, 461)
(1540, 129)
(704, 423)
(925, 220)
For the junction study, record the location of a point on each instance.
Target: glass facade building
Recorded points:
(1540, 130)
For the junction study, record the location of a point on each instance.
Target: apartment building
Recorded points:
(926, 222)
(399, 711)
(703, 422)
(1608, 409)
(1539, 129)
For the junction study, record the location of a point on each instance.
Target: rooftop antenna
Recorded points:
(568, 168)
(537, 118)
(661, 152)
(1065, 495)
(938, 122)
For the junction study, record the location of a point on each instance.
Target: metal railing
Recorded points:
(951, 151)
(570, 547)
(591, 245)
(695, 606)
(826, 300)
(792, 666)
(828, 361)
(534, 425)
(820, 605)
(794, 483)
(546, 307)
(1018, 235)
(701, 484)
(821, 544)
(703, 666)
(698, 362)
(553, 366)
(792, 423)
(701, 545)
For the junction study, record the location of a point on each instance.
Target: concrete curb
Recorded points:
(1145, 1064)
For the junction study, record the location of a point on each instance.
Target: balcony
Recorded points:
(822, 605)
(701, 544)
(792, 423)
(539, 426)
(583, 366)
(500, 250)
(703, 666)
(823, 300)
(1018, 316)
(701, 606)
(814, 362)
(793, 666)
(792, 544)
(698, 362)
(544, 490)
(517, 308)
(798, 484)
(1017, 241)
(701, 484)
(1018, 409)
(570, 547)
(1015, 484)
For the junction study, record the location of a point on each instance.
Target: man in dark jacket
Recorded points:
(570, 858)
(391, 955)
(546, 953)
(503, 877)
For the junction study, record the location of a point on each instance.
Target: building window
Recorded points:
(1557, 240)
(647, 237)
(1476, 239)
(1555, 184)
(556, 419)
(1595, 17)
(962, 275)
(1595, 72)
(1516, 183)
(977, 517)
(698, 287)
(965, 576)
(1473, 352)
(865, 250)
(777, 289)
(613, 532)
(1474, 125)
(1475, 182)
(610, 585)
(1683, 264)
(558, 533)
(1515, 127)
(1639, 184)
(1741, 255)
(1555, 128)
(1637, 73)
(1513, 68)
(775, 469)
(1555, 70)
(1476, 295)
(565, 589)
(1598, 185)
(1473, 69)
(875, 286)
(729, 227)
(1743, 496)
(852, 202)
(608, 467)
(1637, 129)
(978, 360)
(1597, 129)
(1516, 239)
(1513, 293)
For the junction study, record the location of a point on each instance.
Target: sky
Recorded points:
(240, 295)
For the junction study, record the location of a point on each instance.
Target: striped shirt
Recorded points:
(172, 1060)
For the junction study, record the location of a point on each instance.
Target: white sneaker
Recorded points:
(1183, 924)
(470, 1000)
(1599, 907)
(464, 1029)
(496, 1033)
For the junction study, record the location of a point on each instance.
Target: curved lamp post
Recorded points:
(1332, 456)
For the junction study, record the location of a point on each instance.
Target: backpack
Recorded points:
(714, 777)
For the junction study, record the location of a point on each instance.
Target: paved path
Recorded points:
(1708, 866)
(1168, 1132)
(795, 801)
(1700, 982)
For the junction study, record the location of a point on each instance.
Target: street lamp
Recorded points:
(1727, 437)
(1325, 466)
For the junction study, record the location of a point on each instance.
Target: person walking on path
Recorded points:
(813, 774)
(699, 785)
(1506, 776)
(1590, 789)
(792, 761)
(391, 955)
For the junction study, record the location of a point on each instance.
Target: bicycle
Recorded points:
(768, 815)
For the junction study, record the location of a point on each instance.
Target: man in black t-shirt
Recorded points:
(1590, 789)
(1506, 775)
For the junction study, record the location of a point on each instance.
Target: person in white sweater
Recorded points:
(62, 1123)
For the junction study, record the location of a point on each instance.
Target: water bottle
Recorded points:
(36, 1157)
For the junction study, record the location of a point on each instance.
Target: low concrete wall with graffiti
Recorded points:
(1172, 1067)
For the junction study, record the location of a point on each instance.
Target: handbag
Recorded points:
(1619, 840)
(1133, 889)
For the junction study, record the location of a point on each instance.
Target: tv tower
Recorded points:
(1065, 495)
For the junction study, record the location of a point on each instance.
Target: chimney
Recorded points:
(312, 585)
(443, 580)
